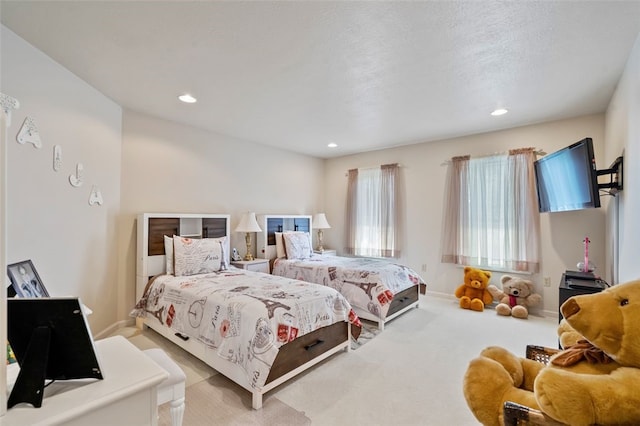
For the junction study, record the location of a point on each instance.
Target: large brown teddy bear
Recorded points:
(473, 294)
(596, 381)
(515, 297)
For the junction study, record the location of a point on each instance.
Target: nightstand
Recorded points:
(326, 252)
(256, 265)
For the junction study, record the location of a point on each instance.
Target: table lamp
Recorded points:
(248, 224)
(320, 223)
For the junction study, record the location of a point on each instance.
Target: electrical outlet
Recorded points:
(547, 281)
(424, 267)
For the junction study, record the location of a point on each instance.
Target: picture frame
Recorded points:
(25, 280)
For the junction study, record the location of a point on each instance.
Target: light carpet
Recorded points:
(218, 398)
(216, 401)
(409, 374)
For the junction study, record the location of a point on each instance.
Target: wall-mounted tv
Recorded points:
(568, 179)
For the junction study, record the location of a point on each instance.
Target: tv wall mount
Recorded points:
(615, 177)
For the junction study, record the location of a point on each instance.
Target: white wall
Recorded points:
(623, 137)
(424, 177)
(72, 244)
(168, 167)
(6, 112)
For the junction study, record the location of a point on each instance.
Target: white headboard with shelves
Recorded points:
(272, 223)
(152, 227)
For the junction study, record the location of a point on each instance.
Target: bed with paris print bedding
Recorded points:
(244, 316)
(377, 289)
(257, 329)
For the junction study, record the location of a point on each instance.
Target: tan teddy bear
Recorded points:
(473, 293)
(515, 297)
(592, 382)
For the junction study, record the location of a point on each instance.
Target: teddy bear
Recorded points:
(473, 293)
(515, 297)
(593, 381)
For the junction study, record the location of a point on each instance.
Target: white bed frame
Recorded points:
(148, 266)
(269, 252)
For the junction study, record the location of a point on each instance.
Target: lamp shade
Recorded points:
(248, 223)
(320, 221)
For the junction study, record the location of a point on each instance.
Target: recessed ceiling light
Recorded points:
(332, 145)
(187, 98)
(499, 111)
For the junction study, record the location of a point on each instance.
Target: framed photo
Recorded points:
(25, 280)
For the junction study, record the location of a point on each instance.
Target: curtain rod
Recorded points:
(536, 151)
(374, 167)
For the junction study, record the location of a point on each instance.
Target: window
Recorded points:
(491, 213)
(373, 212)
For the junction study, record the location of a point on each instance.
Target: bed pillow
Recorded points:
(280, 251)
(168, 254)
(297, 245)
(198, 256)
(280, 248)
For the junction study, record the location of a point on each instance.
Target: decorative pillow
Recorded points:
(297, 245)
(168, 254)
(280, 251)
(280, 247)
(198, 256)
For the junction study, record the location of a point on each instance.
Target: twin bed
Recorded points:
(257, 329)
(377, 289)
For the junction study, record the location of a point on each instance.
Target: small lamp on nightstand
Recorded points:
(248, 224)
(320, 223)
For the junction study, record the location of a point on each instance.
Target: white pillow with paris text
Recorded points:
(198, 256)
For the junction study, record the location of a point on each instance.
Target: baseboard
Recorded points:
(549, 314)
(441, 295)
(537, 313)
(112, 328)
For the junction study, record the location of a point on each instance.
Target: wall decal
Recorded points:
(7, 103)
(28, 133)
(76, 180)
(57, 157)
(95, 198)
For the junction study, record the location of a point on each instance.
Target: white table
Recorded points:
(257, 265)
(126, 395)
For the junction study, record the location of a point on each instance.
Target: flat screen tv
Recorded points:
(568, 179)
(51, 340)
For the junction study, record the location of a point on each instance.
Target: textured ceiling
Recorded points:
(364, 75)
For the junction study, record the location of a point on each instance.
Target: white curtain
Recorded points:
(373, 206)
(491, 217)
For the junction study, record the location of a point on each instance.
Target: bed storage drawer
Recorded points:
(402, 299)
(307, 347)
